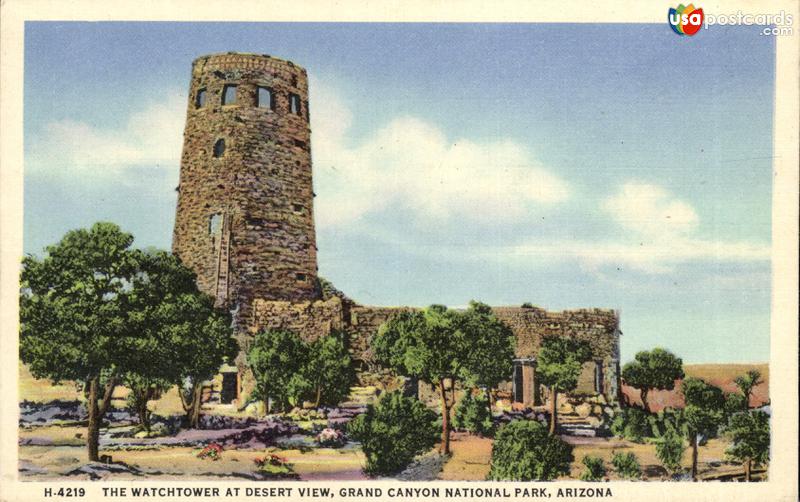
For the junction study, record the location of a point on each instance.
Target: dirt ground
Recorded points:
(721, 375)
(471, 455)
(68, 452)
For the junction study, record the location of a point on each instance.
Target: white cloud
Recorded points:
(660, 235)
(150, 137)
(651, 211)
(412, 163)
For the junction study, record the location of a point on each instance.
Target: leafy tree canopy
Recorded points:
(560, 360)
(656, 369)
(749, 433)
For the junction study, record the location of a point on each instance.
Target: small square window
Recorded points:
(297, 208)
(300, 277)
(200, 99)
(229, 95)
(294, 104)
(299, 143)
(264, 98)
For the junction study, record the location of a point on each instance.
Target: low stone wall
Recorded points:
(311, 320)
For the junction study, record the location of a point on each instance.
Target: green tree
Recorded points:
(393, 432)
(427, 345)
(657, 369)
(169, 315)
(277, 359)
(524, 451)
(73, 315)
(558, 366)
(749, 433)
(669, 450)
(489, 359)
(439, 345)
(200, 341)
(329, 370)
(473, 414)
(747, 383)
(703, 414)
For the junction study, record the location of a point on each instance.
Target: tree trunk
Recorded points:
(747, 469)
(93, 432)
(553, 410)
(266, 406)
(492, 398)
(445, 419)
(96, 414)
(319, 396)
(644, 400)
(694, 456)
(194, 416)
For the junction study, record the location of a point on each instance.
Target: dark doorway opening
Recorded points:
(230, 381)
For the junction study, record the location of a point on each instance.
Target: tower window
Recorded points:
(300, 143)
(200, 99)
(300, 277)
(294, 80)
(219, 148)
(214, 224)
(294, 104)
(229, 95)
(264, 98)
(297, 208)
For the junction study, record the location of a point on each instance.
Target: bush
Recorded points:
(595, 469)
(669, 450)
(330, 438)
(734, 403)
(393, 432)
(626, 465)
(473, 414)
(632, 424)
(524, 451)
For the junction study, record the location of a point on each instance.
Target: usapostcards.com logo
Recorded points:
(685, 20)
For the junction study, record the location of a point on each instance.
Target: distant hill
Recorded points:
(721, 375)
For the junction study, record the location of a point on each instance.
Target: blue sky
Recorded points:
(565, 165)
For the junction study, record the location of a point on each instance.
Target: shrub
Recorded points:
(632, 424)
(212, 451)
(523, 450)
(473, 414)
(669, 450)
(393, 432)
(595, 469)
(274, 465)
(626, 465)
(330, 438)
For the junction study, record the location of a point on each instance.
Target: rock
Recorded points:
(566, 409)
(597, 410)
(609, 411)
(601, 399)
(583, 410)
(594, 421)
(97, 470)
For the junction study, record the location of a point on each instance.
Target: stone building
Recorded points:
(245, 224)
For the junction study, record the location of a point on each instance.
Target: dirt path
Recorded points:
(470, 460)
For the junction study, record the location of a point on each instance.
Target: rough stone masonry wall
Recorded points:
(598, 327)
(261, 184)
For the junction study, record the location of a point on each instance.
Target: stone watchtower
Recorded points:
(245, 220)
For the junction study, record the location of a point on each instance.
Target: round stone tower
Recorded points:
(245, 220)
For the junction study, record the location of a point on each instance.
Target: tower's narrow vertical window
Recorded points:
(264, 98)
(200, 99)
(229, 95)
(219, 148)
(294, 104)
